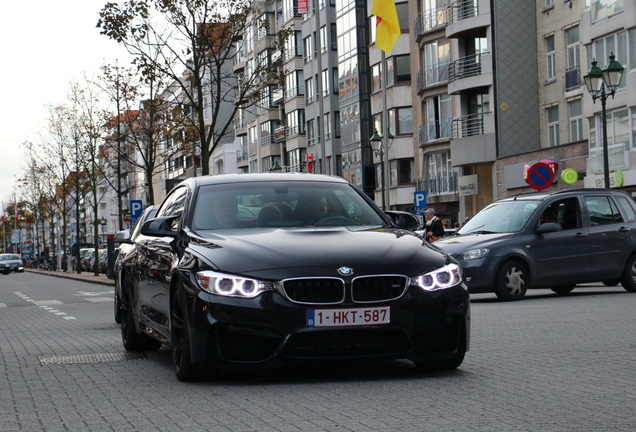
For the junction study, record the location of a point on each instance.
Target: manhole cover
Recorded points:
(89, 358)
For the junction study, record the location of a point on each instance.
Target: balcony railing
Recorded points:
(432, 75)
(439, 184)
(267, 139)
(430, 20)
(242, 155)
(470, 125)
(573, 77)
(286, 15)
(465, 67)
(431, 132)
(462, 9)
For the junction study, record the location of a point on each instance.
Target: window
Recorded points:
(402, 118)
(628, 211)
(438, 118)
(605, 8)
(376, 78)
(436, 58)
(401, 172)
(550, 58)
(336, 124)
(325, 82)
(576, 121)
(310, 132)
(602, 211)
(308, 47)
(310, 90)
(403, 69)
(549, 4)
(327, 125)
(573, 66)
(334, 37)
(399, 70)
(402, 10)
(553, 126)
(442, 178)
(323, 39)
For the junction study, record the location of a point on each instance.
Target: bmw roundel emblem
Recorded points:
(345, 271)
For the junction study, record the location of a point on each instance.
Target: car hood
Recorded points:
(284, 253)
(460, 243)
(11, 262)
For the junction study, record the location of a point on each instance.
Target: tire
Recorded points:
(511, 282)
(185, 370)
(628, 280)
(565, 289)
(131, 339)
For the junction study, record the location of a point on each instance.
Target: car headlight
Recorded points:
(231, 286)
(442, 278)
(474, 254)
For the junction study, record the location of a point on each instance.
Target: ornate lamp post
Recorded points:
(601, 84)
(377, 141)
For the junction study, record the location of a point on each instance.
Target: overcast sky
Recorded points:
(44, 45)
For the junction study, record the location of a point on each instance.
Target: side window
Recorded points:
(601, 210)
(627, 208)
(565, 212)
(174, 205)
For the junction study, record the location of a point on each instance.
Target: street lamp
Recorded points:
(601, 84)
(377, 141)
(276, 167)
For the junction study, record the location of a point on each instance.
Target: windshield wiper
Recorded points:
(481, 232)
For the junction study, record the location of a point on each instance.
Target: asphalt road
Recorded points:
(547, 363)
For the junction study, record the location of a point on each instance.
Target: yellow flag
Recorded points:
(387, 30)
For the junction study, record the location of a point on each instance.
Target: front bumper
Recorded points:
(271, 330)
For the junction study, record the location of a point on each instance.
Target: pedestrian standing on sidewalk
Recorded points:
(434, 227)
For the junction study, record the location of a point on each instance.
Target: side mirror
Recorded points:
(548, 227)
(404, 220)
(159, 227)
(122, 236)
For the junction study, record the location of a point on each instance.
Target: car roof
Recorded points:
(541, 195)
(260, 177)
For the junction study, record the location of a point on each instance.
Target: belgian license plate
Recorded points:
(348, 317)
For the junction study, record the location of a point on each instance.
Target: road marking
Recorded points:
(100, 299)
(45, 305)
(91, 294)
(2, 305)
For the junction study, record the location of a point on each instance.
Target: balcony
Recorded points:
(473, 139)
(430, 21)
(467, 126)
(466, 17)
(464, 67)
(470, 72)
(279, 134)
(432, 132)
(432, 76)
(439, 184)
(462, 9)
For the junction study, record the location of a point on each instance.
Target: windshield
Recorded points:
(9, 257)
(281, 204)
(501, 217)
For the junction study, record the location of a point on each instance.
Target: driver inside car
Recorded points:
(308, 209)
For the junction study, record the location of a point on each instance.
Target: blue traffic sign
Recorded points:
(136, 208)
(419, 202)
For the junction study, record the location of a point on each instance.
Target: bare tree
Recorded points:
(192, 42)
